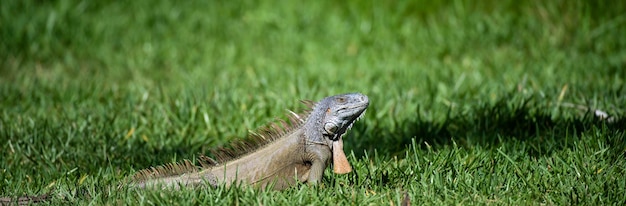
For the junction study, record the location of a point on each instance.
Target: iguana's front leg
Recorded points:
(316, 172)
(318, 156)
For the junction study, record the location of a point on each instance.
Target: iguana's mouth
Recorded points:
(351, 122)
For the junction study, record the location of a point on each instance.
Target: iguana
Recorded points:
(283, 154)
(280, 155)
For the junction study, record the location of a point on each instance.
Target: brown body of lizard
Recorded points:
(277, 165)
(298, 151)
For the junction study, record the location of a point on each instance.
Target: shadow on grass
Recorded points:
(509, 119)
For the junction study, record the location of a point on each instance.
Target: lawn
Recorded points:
(471, 102)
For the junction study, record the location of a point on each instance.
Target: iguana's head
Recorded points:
(340, 113)
(330, 119)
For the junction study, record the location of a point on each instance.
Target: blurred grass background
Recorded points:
(92, 91)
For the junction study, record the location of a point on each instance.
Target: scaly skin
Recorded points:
(301, 153)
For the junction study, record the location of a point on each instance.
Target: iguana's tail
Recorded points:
(25, 200)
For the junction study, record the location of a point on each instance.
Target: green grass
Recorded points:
(481, 102)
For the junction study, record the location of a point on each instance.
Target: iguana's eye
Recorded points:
(341, 100)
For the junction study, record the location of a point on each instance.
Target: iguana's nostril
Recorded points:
(364, 98)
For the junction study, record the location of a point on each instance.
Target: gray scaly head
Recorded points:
(330, 119)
